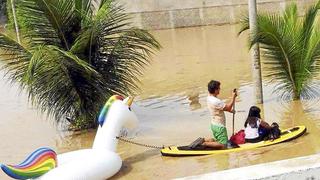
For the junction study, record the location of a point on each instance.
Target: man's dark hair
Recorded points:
(213, 86)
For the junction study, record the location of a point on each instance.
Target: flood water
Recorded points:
(171, 107)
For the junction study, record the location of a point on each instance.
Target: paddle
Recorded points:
(234, 112)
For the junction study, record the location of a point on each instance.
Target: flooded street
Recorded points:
(171, 107)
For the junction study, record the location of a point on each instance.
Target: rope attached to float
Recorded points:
(140, 144)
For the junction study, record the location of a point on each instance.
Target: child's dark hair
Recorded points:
(254, 114)
(213, 86)
(254, 111)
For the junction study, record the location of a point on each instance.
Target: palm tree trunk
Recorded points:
(15, 21)
(296, 95)
(255, 53)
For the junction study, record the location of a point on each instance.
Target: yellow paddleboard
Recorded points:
(286, 135)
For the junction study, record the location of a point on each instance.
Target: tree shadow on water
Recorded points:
(128, 162)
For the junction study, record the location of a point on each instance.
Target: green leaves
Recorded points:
(15, 58)
(74, 57)
(290, 47)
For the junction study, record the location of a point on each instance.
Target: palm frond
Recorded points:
(53, 21)
(14, 57)
(290, 47)
(118, 51)
(244, 21)
(123, 56)
(64, 84)
(83, 11)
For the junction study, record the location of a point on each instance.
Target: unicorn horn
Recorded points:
(130, 100)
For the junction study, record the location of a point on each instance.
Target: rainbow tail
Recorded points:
(38, 163)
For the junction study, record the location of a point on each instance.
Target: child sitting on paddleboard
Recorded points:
(218, 121)
(255, 128)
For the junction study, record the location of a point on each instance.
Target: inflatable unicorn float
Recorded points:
(98, 163)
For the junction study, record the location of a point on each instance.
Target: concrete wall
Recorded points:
(163, 14)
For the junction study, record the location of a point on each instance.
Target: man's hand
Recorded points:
(234, 93)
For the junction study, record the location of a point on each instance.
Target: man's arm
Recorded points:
(228, 107)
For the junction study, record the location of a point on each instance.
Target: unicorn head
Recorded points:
(115, 114)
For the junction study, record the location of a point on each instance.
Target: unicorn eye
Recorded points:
(129, 108)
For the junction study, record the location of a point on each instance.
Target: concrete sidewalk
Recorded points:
(307, 167)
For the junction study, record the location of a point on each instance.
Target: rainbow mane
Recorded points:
(38, 163)
(105, 109)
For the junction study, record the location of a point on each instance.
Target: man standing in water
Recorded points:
(218, 121)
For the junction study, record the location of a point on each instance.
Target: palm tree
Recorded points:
(290, 46)
(255, 52)
(72, 58)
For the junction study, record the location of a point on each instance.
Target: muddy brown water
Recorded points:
(171, 107)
